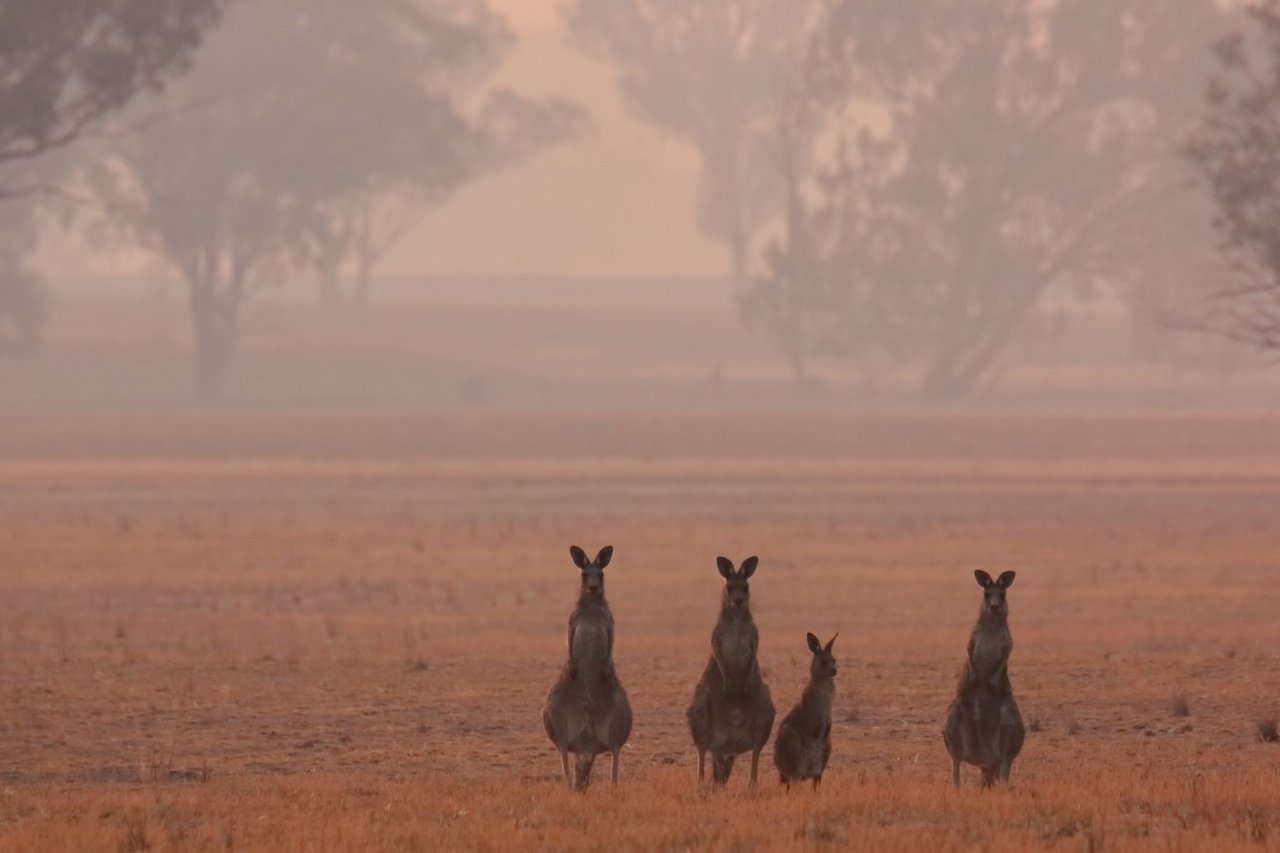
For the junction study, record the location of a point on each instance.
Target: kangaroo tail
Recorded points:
(721, 767)
(582, 770)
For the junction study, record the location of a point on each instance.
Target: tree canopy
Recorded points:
(978, 153)
(69, 65)
(1236, 149)
(294, 109)
(722, 74)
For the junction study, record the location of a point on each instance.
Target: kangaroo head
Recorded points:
(993, 595)
(592, 570)
(824, 662)
(736, 592)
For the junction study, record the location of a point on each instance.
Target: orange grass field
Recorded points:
(313, 632)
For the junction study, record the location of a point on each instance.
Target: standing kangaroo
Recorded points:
(803, 745)
(983, 724)
(731, 712)
(587, 711)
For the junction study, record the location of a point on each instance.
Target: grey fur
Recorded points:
(984, 726)
(802, 747)
(731, 712)
(587, 711)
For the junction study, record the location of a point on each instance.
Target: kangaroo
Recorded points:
(587, 711)
(732, 711)
(983, 724)
(803, 745)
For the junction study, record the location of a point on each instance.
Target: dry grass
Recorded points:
(336, 632)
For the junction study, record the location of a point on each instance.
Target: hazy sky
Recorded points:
(621, 201)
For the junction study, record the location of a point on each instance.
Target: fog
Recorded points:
(605, 204)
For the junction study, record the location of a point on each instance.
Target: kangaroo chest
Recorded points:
(591, 642)
(737, 642)
(990, 648)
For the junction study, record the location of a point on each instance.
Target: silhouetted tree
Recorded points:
(988, 150)
(1237, 150)
(299, 107)
(723, 74)
(65, 68)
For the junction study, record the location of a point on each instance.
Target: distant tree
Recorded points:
(66, 67)
(360, 229)
(722, 74)
(301, 109)
(986, 151)
(22, 294)
(1236, 149)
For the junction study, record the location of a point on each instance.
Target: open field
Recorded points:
(569, 347)
(283, 632)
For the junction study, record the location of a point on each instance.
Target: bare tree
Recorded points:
(297, 108)
(1236, 149)
(988, 151)
(722, 74)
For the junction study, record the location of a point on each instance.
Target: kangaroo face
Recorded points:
(824, 662)
(737, 593)
(993, 591)
(592, 570)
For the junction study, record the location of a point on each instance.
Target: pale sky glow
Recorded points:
(620, 201)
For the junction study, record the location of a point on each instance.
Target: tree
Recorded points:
(722, 74)
(1236, 149)
(22, 295)
(988, 151)
(362, 228)
(66, 68)
(299, 107)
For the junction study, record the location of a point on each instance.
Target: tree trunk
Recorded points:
(212, 363)
(799, 366)
(738, 262)
(329, 280)
(968, 354)
(365, 263)
(215, 322)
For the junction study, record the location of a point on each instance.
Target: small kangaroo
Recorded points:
(803, 745)
(983, 724)
(587, 711)
(732, 711)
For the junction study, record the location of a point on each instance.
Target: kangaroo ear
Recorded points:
(749, 566)
(830, 643)
(1006, 579)
(813, 643)
(984, 579)
(725, 566)
(605, 555)
(579, 556)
